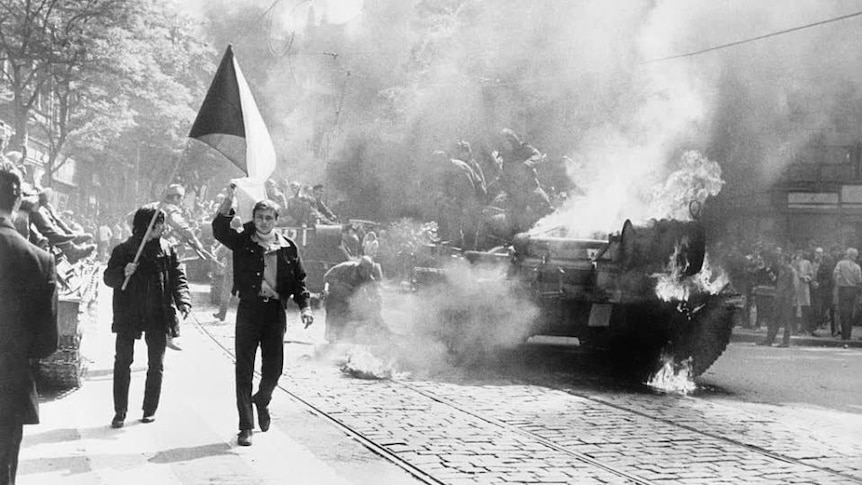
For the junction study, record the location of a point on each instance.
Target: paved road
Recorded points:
(546, 414)
(539, 414)
(830, 378)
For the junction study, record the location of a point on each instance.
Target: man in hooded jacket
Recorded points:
(157, 290)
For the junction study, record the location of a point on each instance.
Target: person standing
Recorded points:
(157, 289)
(176, 223)
(103, 240)
(370, 245)
(117, 232)
(326, 215)
(224, 271)
(848, 278)
(28, 323)
(786, 285)
(805, 273)
(821, 286)
(267, 272)
(350, 244)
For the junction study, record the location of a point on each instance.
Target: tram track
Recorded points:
(368, 443)
(754, 448)
(687, 428)
(624, 474)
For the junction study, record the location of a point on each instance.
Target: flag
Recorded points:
(230, 122)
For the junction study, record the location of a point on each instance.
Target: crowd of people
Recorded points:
(480, 205)
(808, 291)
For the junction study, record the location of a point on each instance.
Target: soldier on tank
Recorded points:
(177, 223)
(520, 181)
(456, 200)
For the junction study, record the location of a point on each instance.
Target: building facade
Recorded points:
(817, 199)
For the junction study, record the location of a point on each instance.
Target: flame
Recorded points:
(673, 378)
(363, 364)
(670, 286)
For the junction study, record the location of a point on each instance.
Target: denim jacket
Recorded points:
(248, 263)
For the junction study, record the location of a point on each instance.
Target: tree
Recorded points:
(120, 75)
(37, 39)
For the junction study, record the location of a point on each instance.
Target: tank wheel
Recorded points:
(637, 351)
(705, 336)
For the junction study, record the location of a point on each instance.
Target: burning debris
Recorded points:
(673, 377)
(361, 363)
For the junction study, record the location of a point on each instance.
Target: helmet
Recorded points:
(175, 189)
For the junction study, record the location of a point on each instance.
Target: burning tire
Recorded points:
(696, 332)
(704, 335)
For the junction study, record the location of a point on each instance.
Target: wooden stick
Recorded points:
(153, 219)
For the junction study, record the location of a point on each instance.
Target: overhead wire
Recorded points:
(754, 39)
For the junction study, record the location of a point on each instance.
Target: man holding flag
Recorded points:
(267, 267)
(267, 272)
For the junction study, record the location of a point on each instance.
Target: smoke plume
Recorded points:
(362, 99)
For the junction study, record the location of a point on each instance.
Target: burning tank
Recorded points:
(644, 293)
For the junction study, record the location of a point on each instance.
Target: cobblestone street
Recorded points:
(511, 425)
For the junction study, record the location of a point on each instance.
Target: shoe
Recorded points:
(172, 344)
(220, 316)
(244, 437)
(82, 238)
(148, 418)
(75, 252)
(783, 346)
(118, 421)
(764, 344)
(263, 417)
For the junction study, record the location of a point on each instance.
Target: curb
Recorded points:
(796, 341)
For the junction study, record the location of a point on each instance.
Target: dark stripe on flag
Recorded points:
(221, 111)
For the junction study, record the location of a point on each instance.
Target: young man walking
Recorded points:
(157, 290)
(267, 271)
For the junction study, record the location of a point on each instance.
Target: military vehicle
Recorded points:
(642, 293)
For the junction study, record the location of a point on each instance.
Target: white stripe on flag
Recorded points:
(260, 154)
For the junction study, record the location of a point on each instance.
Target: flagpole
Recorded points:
(155, 214)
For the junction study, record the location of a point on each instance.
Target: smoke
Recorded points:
(468, 315)
(477, 310)
(364, 98)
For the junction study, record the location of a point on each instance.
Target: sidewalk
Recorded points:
(193, 439)
(822, 339)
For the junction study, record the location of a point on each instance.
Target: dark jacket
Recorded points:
(786, 284)
(824, 274)
(248, 263)
(28, 322)
(155, 291)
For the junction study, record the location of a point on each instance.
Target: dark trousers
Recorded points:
(125, 353)
(783, 315)
(263, 324)
(805, 320)
(846, 307)
(828, 305)
(10, 445)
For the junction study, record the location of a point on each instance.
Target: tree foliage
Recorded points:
(103, 80)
